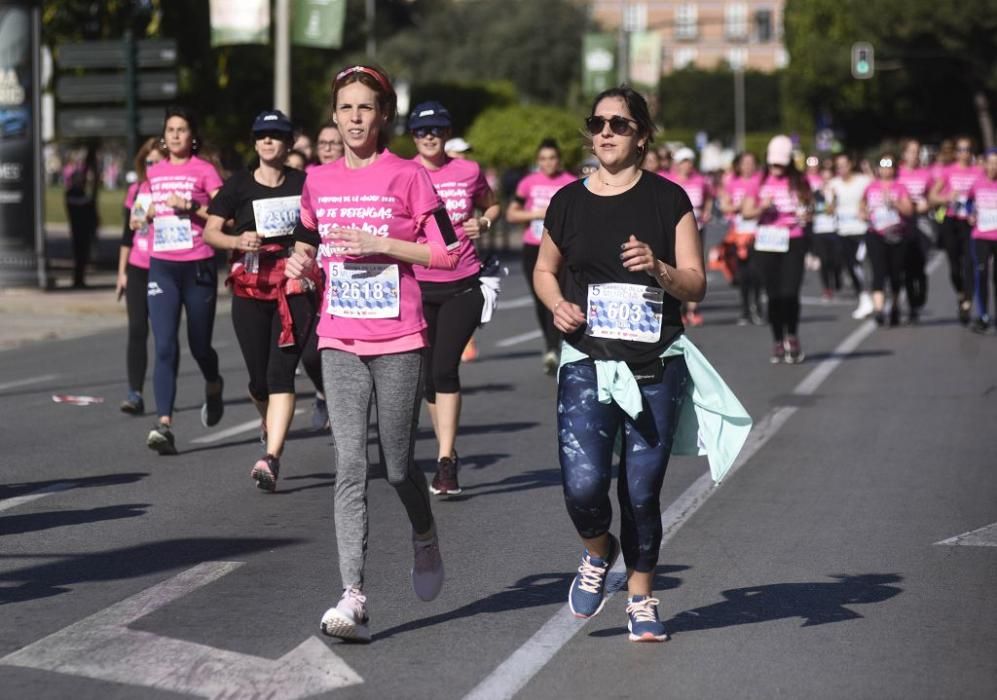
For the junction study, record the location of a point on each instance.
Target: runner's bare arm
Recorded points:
(568, 317)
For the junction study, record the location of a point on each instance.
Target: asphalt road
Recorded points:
(813, 572)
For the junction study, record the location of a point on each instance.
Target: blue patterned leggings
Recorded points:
(586, 433)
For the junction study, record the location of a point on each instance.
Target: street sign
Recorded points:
(112, 87)
(86, 122)
(111, 53)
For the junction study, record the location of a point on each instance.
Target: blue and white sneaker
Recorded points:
(588, 590)
(642, 620)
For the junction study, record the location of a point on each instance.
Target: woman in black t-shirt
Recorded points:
(619, 255)
(273, 316)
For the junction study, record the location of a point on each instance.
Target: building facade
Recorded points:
(703, 33)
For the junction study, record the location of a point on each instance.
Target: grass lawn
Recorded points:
(109, 206)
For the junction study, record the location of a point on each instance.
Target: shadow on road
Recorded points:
(525, 481)
(33, 522)
(26, 487)
(816, 603)
(531, 591)
(46, 580)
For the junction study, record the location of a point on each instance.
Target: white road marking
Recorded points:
(517, 339)
(16, 501)
(27, 382)
(516, 671)
(102, 647)
(817, 301)
(234, 430)
(982, 537)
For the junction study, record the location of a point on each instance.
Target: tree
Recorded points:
(534, 45)
(936, 67)
(508, 136)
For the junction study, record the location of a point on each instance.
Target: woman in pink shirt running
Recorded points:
(529, 206)
(983, 218)
(887, 207)
(452, 300)
(367, 219)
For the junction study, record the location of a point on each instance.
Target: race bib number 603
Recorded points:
(362, 290)
(619, 311)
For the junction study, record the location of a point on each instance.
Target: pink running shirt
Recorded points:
(958, 180)
(917, 182)
(984, 196)
(138, 255)
(785, 203)
(697, 187)
(391, 197)
(458, 183)
(882, 217)
(195, 180)
(536, 189)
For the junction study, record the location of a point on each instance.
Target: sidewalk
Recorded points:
(32, 315)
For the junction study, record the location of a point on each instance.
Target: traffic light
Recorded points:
(863, 60)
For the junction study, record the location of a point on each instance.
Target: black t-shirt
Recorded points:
(235, 199)
(589, 230)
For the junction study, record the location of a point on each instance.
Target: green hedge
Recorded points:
(508, 136)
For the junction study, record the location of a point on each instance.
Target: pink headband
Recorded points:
(381, 80)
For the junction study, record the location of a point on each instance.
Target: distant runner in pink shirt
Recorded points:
(698, 189)
(529, 206)
(917, 179)
(741, 232)
(368, 219)
(133, 276)
(951, 190)
(983, 195)
(887, 207)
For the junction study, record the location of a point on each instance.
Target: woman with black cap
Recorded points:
(451, 299)
(272, 315)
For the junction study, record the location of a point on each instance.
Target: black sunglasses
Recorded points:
(275, 135)
(424, 131)
(621, 126)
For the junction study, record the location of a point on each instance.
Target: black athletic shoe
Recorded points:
(265, 473)
(133, 405)
(445, 481)
(161, 440)
(214, 407)
(981, 326)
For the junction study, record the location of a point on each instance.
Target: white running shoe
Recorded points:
(348, 620)
(427, 568)
(865, 307)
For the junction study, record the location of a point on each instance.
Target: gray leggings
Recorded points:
(349, 381)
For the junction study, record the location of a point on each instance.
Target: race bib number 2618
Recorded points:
(363, 290)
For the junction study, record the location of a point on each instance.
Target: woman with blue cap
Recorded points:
(452, 300)
(272, 315)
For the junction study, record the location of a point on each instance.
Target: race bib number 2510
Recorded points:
(362, 290)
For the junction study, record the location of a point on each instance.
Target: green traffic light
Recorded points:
(862, 67)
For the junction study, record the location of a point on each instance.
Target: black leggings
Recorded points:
(915, 262)
(311, 359)
(552, 336)
(984, 255)
(827, 248)
(257, 326)
(783, 276)
(956, 241)
(749, 280)
(453, 311)
(887, 262)
(136, 301)
(849, 246)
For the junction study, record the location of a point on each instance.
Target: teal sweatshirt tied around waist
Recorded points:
(712, 422)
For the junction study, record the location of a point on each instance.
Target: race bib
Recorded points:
(537, 229)
(171, 233)
(772, 239)
(619, 311)
(362, 290)
(962, 207)
(986, 220)
(277, 216)
(825, 223)
(884, 218)
(745, 226)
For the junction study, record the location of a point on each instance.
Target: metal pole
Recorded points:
(623, 48)
(371, 39)
(738, 108)
(45, 281)
(131, 98)
(282, 57)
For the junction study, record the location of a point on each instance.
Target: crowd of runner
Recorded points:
(362, 268)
